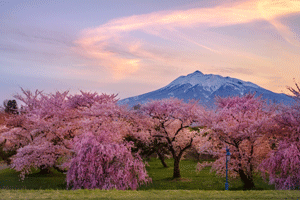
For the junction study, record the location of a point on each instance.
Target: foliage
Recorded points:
(283, 164)
(11, 107)
(242, 123)
(295, 91)
(146, 148)
(63, 132)
(43, 134)
(105, 166)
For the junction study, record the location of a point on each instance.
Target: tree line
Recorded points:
(101, 144)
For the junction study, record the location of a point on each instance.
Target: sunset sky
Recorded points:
(132, 47)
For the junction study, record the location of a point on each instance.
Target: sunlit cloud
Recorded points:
(113, 47)
(271, 10)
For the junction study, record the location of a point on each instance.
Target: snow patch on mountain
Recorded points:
(205, 87)
(209, 82)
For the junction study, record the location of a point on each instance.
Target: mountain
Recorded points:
(205, 87)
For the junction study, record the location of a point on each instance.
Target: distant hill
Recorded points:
(205, 87)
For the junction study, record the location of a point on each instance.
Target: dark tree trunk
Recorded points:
(177, 158)
(162, 158)
(176, 173)
(247, 181)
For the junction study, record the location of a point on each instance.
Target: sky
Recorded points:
(131, 47)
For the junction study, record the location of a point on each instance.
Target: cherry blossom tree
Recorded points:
(103, 165)
(42, 135)
(144, 144)
(168, 123)
(242, 124)
(295, 91)
(283, 163)
(82, 134)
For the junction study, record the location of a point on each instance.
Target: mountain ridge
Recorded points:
(205, 87)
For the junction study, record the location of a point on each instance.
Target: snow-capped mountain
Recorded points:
(205, 87)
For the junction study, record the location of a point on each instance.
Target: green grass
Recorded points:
(9, 179)
(149, 194)
(161, 179)
(192, 180)
(192, 185)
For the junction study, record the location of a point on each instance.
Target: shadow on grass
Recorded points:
(9, 179)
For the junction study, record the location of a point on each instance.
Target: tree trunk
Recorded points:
(162, 158)
(247, 181)
(176, 173)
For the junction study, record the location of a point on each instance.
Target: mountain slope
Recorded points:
(205, 87)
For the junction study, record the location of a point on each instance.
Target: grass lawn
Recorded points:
(192, 185)
(149, 194)
(192, 180)
(9, 179)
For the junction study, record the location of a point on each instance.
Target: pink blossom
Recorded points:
(105, 166)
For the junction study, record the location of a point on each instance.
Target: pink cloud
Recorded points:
(131, 53)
